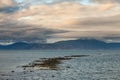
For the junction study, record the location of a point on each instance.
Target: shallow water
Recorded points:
(101, 64)
(9, 59)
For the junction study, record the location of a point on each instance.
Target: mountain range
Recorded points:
(70, 44)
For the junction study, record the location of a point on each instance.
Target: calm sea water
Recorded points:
(10, 59)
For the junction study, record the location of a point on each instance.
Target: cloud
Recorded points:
(62, 14)
(87, 2)
(8, 6)
(6, 3)
(22, 32)
(59, 21)
(106, 28)
(107, 6)
(106, 1)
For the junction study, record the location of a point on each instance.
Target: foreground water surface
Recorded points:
(100, 64)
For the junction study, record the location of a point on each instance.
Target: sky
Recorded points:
(41, 21)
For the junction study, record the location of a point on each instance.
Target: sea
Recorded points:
(99, 65)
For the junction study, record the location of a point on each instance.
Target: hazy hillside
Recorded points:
(70, 44)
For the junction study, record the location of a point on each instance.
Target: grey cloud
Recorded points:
(25, 32)
(8, 6)
(9, 9)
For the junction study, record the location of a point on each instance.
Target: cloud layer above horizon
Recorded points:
(55, 20)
